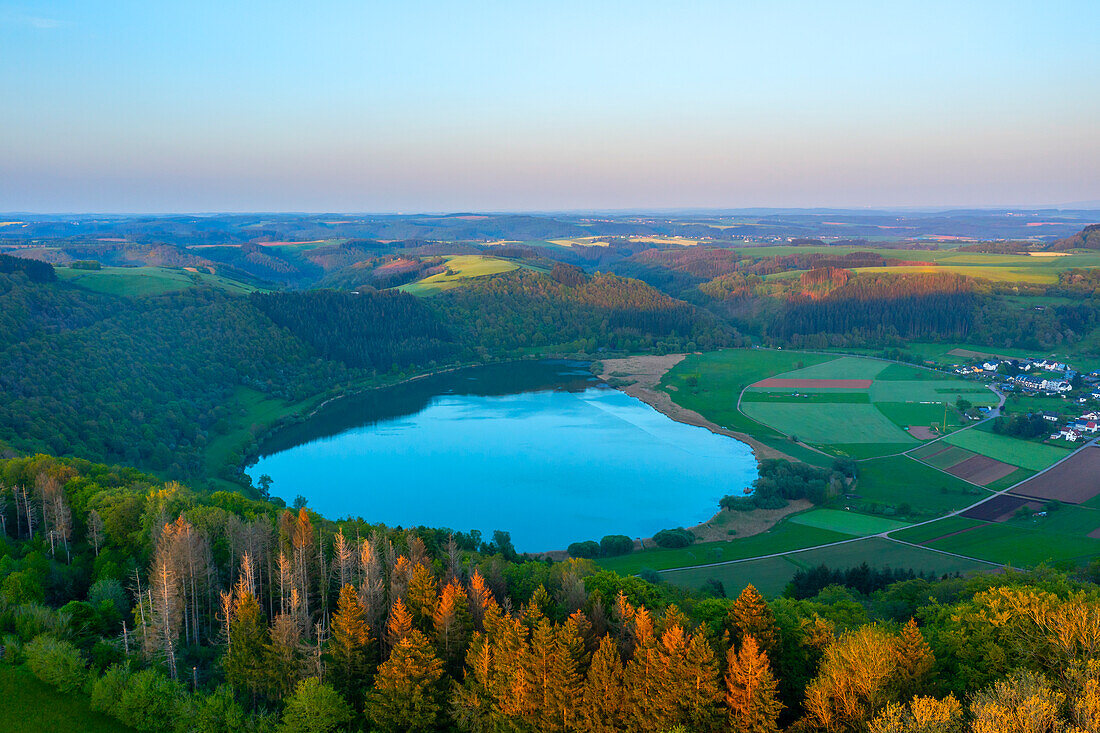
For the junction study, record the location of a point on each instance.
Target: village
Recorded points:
(1033, 377)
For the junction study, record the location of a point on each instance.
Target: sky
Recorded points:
(417, 106)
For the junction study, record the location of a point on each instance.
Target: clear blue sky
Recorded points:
(410, 105)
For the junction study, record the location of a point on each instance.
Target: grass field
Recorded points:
(30, 706)
(139, 281)
(906, 373)
(1020, 474)
(771, 575)
(829, 423)
(847, 522)
(806, 397)
(904, 414)
(929, 390)
(1022, 453)
(459, 268)
(710, 383)
(897, 480)
(931, 531)
(784, 536)
(1017, 546)
(845, 367)
(1071, 520)
(943, 455)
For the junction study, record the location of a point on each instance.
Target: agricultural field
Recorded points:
(935, 530)
(771, 575)
(31, 706)
(1075, 481)
(1004, 543)
(898, 480)
(1013, 451)
(901, 404)
(783, 537)
(459, 268)
(141, 281)
(847, 522)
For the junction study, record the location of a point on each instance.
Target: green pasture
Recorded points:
(1022, 453)
(828, 423)
(140, 281)
(806, 397)
(784, 536)
(897, 480)
(1067, 519)
(1010, 545)
(31, 706)
(924, 414)
(459, 268)
(846, 367)
(863, 451)
(931, 531)
(847, 522)
(931, 390)
(906, 373)
(771, 575)
(711, 383)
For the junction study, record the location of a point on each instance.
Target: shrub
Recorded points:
(109, 589)
(12, 647)
(57, 663)
(678, 537)
(145, 700)
(32, 619)
(616, 544)
(314, 708)
(588, 548)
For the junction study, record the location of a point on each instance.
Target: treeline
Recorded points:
(780, 481)
(371, 330)
(35, 270)
(523, 309)
(871, 308)
(862, 579)
(189, 612)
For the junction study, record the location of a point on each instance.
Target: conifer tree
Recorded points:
(697, 687)
(399, 624)
(451, 622)
(422, 596)
(407, 694)
(284, 659)
(552, 678)
(915, 660)
(750, 689)
(750, 615)
(244, 661)
(603, 697)
(480, 600)
(349, 648)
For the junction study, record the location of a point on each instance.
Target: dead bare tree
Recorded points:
(95, 529)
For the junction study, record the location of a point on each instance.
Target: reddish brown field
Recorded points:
(995, 508)
(776, 383)
(980, 470)
(921, 432)
(1073, 481)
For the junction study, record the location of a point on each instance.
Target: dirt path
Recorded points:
(646, 373)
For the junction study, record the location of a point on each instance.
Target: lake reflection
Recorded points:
(541, 449)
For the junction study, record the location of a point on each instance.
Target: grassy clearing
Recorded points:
(1034, 456)
(784, 536)
(847, 522)
(898, 480)
(925, 532)
(828, 423)
(1011, 545)
(459, 268)
(142, 281)
(30, 706)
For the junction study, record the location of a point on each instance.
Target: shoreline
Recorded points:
(647, 371)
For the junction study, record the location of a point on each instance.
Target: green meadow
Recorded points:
(141, 281)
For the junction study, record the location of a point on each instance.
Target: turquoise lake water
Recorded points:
(540, 449)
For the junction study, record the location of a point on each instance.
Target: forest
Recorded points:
(175, 610)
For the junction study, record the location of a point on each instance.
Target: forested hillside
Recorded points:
(181, 611)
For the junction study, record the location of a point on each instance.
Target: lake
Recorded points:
(543, 450)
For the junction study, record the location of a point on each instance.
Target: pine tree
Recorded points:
(480, 600)
(750, 615)
(648, 709)
(915, 660)
(285, 662)
(244, 661)
(349, 648)
(422, 596)
(399, 624)
(552, 678)
(603, 697)
(751, 690)
(451, 622)
(699, 690)
(407, 695)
